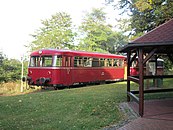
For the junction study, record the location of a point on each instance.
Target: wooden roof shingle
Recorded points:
(161, 37)
(162, 33)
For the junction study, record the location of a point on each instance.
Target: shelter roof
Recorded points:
(160, 37)
(162, 33)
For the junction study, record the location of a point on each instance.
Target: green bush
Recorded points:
(10, 69)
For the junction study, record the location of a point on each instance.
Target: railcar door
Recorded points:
(67, 71)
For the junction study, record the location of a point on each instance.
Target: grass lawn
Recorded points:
(92, 107)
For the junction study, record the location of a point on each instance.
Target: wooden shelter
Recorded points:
(155, 43)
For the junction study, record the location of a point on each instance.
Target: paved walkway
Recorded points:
(158, 115)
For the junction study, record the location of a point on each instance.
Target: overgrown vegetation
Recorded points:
(10, 69)
(14, 88)
(9, 88)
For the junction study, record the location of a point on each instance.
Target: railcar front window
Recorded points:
(34, 61)
(41, 61)
(46, 61)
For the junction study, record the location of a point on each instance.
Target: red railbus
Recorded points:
(58, 68)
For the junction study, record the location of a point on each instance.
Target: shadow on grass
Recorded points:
(81, 85)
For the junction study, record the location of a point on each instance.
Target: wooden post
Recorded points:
(128, 74)
(141, 83)
(147, 73)
(156, 84)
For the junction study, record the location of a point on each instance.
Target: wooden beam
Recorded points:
(128, 74)
(153, 91)
(134, 79)
(155, 76)
(141, 82)
(134, 91)
(133, 58)
(149, 55)
(134, 97)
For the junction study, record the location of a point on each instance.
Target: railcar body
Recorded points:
(53, 67)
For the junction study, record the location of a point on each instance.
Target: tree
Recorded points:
(97, 34)
(10, 69)
(1, 58)
(146, 15)
(55, 32)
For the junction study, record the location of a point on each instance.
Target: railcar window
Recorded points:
(68, 61)
(57, 61)
(115, 62)
(160, 63)
(95, 62)
(134, 63)
(110, 62)
(106, 62)
(87, 61)
(34, 61)
(82, 62)
(120, 63)
(46, 61)
(78, 62)
(75, 62)
(102, 61)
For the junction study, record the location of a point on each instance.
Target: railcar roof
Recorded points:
(74, 53)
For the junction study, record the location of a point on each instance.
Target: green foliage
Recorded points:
(168, 65)
(55, 32)
(94, 33)
(1, 58)
(10, 69)
(124, 25)
(98, 35)
(147, 14)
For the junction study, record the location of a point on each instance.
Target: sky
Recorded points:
(20, 18)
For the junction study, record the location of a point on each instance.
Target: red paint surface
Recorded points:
(70, 75)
